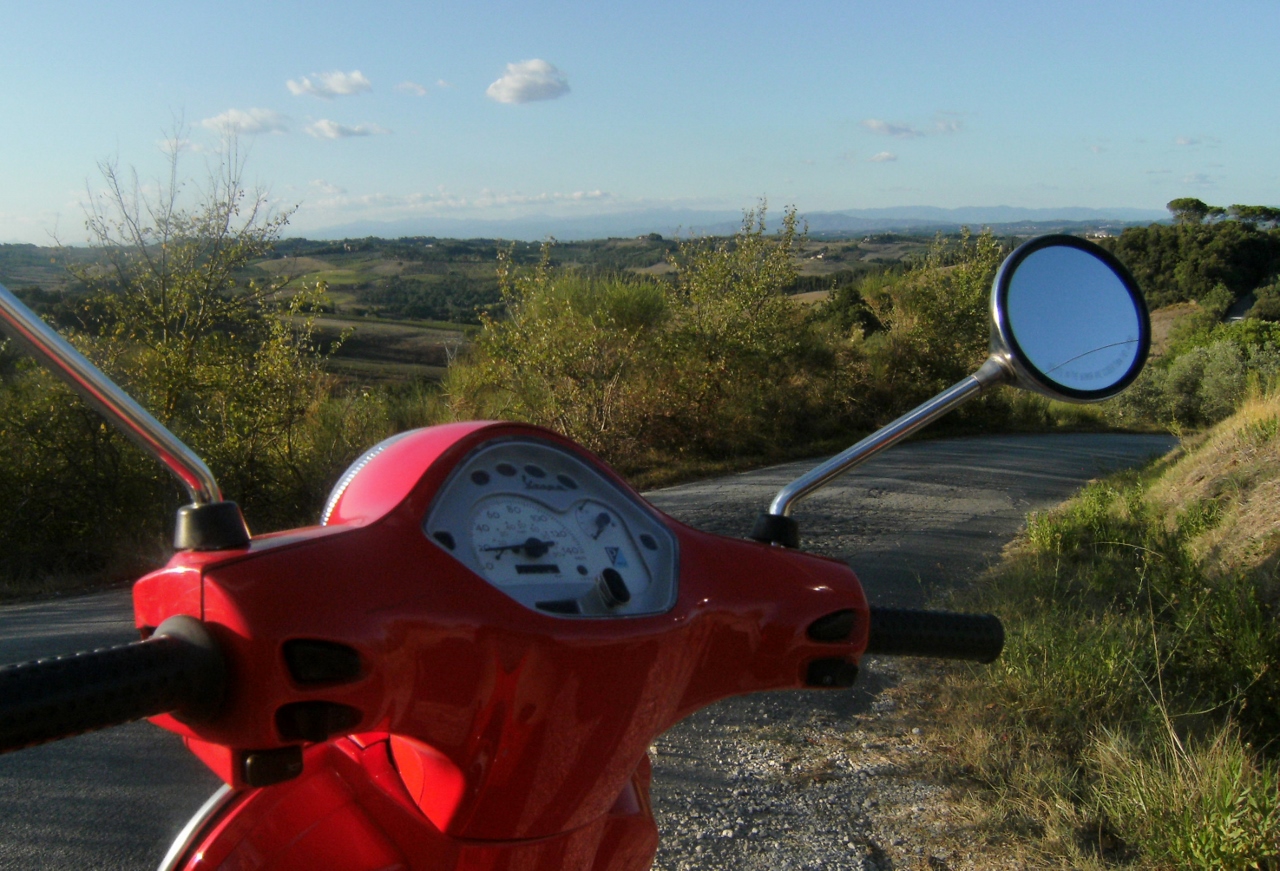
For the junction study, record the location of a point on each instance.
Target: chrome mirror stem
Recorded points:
(58, 356)
(996, 370)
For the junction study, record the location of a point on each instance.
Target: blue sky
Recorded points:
(382, 111)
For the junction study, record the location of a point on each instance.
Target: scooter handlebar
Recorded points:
(941, 634)
(178, 669)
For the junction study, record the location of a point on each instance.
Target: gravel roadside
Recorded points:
(839, 780)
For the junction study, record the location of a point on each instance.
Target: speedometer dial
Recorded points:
(549, 529)
(519, 541)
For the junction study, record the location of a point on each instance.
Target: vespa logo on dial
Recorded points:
(531, 484)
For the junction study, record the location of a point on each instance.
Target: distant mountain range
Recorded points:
(671, 222)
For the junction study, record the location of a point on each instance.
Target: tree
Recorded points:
(221, 355)
(1188, 210)
(715, 363)
(1255, 214)
(219, 352)
(571, 353)
(1186, 261)
(936, 320)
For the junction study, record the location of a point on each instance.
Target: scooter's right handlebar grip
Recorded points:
(179, 669)
(940, 634)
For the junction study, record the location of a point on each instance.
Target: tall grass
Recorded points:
(1134, 712)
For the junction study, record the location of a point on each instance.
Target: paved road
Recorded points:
(925, 513)
(111, 800)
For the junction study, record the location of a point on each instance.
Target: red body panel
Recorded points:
(349, 811)
(518, 733)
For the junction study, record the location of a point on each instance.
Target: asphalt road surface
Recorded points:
(923, 514)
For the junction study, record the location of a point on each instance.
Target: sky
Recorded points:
(388, 111)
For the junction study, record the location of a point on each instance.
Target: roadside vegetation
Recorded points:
(1133, 715)
(227, 361)
(717, 365)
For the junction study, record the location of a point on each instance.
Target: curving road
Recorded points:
(924, 514)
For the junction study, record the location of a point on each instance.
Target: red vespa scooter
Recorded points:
(464, 664)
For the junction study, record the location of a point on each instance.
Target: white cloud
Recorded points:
(247, 121)
(886, 128)
(945, 123)
(527, 81)
(490, 199)
(1199, 179)
(413, 88)
(1186, 140)
(176, 145)
(883, 157)
(441, 83)
(326, 188)
(1097, 149)
(326, 129)
(330, 85)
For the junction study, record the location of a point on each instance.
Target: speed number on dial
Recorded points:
(518, 540)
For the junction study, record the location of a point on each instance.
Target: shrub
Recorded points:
(717, 363)
(227, 363)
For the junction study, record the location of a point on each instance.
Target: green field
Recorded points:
(403, 308)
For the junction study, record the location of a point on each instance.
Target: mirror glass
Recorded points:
(1074, 318)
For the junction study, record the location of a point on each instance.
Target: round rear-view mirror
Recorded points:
(1070, 320)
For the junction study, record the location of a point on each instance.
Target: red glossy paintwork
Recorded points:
(512, 726)
(349, 811)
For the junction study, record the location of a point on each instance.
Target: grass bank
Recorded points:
(1134, 715)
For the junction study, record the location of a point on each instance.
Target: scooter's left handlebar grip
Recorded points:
(179, 670)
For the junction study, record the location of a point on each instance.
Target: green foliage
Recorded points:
(846, 306)
(1209, 369)
(1207, 804)
(452, 297)
(1189, 210)
(1134, 686)
(1111, 561)
(1255, 214)
(1188, 260)
(718, 362)
(935, 320)
(76, 498)
(225, 361)
(1208, 366)
(1266, 304)
(714, 363)
(569, 355)
(739, 356)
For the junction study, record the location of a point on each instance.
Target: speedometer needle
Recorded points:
(532, 547)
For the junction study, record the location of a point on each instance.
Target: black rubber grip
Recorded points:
(178, 669)
(940, 634)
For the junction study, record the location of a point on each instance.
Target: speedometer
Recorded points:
(547, 528)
